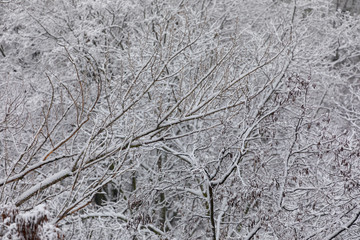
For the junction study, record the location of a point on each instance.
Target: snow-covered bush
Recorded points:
(27, 225)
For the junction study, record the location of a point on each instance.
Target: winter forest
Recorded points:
(180, 119)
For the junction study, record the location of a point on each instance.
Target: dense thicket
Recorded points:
(179, 119)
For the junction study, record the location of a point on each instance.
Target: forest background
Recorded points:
(152, 119)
